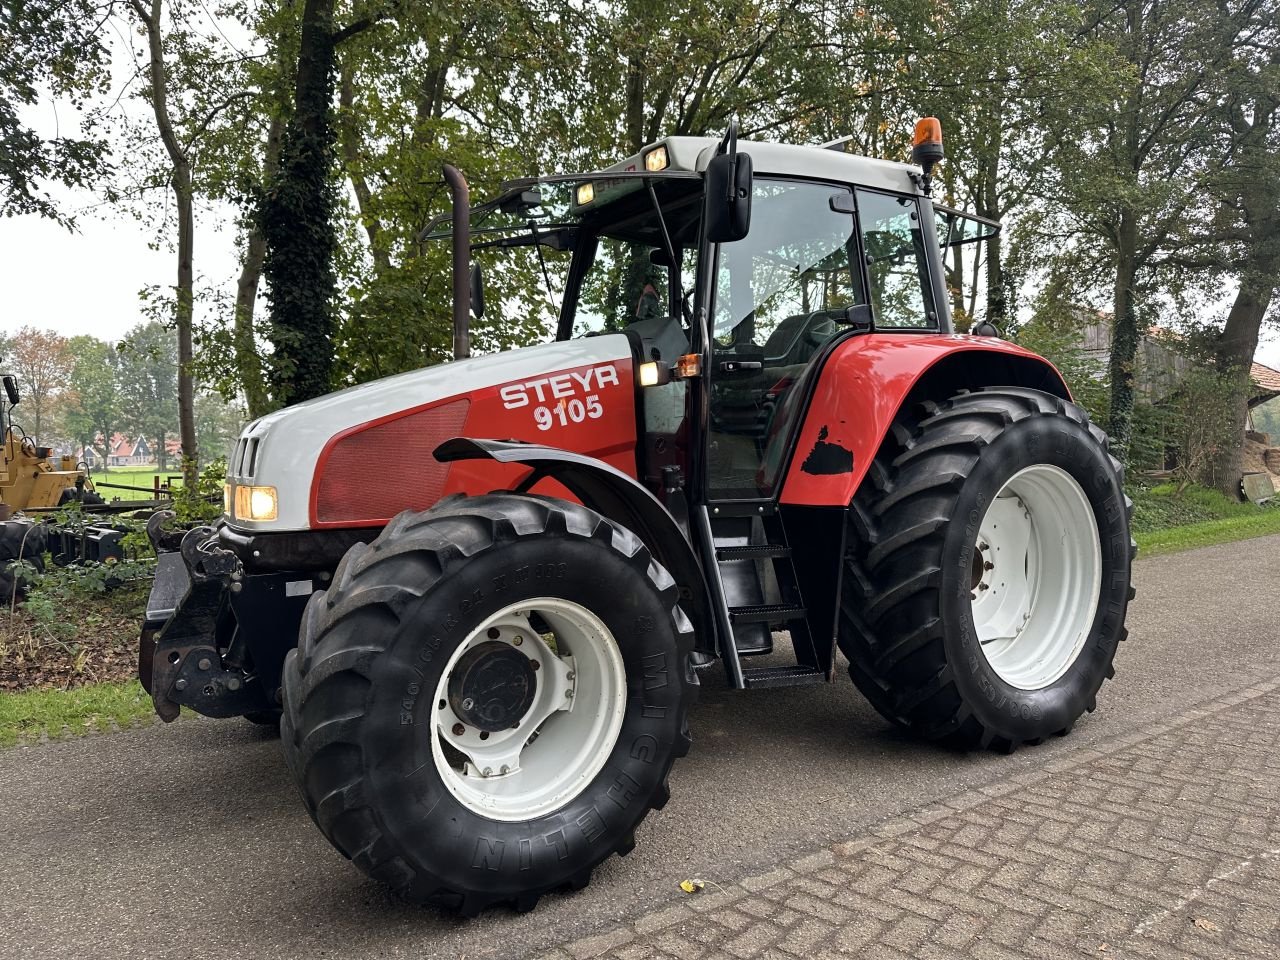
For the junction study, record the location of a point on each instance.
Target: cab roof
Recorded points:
(692, 154)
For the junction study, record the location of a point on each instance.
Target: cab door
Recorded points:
(780, 294)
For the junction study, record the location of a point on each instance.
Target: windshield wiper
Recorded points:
(560, 238)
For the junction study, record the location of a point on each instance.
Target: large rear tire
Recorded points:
(488, 699)
(988, 572)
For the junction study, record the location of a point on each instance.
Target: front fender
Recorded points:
(865, 382)
(615, 495)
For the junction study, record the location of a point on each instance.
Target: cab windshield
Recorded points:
(604, 250)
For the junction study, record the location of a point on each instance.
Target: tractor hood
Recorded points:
(356, 457)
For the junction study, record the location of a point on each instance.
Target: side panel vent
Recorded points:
(370, 475)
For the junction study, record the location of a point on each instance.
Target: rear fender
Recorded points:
(615, 495)
(868, 379)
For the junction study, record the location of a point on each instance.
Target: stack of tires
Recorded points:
(23, 540)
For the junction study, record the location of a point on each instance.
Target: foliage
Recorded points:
(70, 630)
(93, 403)
(1176, 504)
(1266, 418)
(41, 361)
(148, 358)
(1059, 343)
(296, 216)
(53, 48)
(1198, 517)
(204, 503)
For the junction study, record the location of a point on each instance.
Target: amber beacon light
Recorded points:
(926, 147)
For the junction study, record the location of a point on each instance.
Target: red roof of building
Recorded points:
(1265, 377)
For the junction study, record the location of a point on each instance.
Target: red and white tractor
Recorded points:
(754, 439)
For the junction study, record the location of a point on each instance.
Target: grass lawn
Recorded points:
(132, 477)
(1208, 532)
(24, 715)
(1166, 521)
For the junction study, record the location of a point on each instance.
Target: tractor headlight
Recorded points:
(255, 503)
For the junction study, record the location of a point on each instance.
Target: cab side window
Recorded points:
(897, 271)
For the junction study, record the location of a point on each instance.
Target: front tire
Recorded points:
(989, 570)
(488, 699)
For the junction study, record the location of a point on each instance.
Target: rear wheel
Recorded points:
(988, 577)
(488, 700)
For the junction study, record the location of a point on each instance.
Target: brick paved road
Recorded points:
(1162, 808)
(1163, 844)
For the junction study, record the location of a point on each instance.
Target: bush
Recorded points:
(204, 503)
(1175, 505)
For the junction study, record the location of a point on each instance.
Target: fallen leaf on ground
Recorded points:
(1204, 924)
(691, 886)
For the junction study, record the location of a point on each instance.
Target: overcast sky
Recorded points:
(88, 281)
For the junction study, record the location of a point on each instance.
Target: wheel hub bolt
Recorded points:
(204, 663)
(505, 768)
(570, 675)
(517, 640)
(988, 565)
(459, 729)
(468, 704)
(568, 694)
(535, 663)
(983, 586)
(486, 772)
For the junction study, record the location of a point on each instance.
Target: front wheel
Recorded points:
(988, 577)
(488, 700)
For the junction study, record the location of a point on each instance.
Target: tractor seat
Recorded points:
(797, 338)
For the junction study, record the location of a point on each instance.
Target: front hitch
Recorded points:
(179, 662)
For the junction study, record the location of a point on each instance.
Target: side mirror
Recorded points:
(477, 291)
(859, 317)
(11, 388)
(728, 207)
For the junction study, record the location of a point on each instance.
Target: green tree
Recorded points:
(93, 404)
(42, 364)
(1128, 191)
(218, 423)
(148, 358)
(297, 215)
(1243, 238)
(53, 46)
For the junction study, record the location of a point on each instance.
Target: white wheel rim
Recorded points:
(1036, 577)
(557, 746)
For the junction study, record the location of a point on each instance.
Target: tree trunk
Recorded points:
(1234, 356)
(182, 190)
(106, 447)
(349, 140)
(297, 221)
(989, 206)
(186, 353)
(244, 343)
(1124, 338)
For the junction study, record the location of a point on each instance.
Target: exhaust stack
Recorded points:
(460, 195)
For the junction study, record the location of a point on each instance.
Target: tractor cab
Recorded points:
(734, 270)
